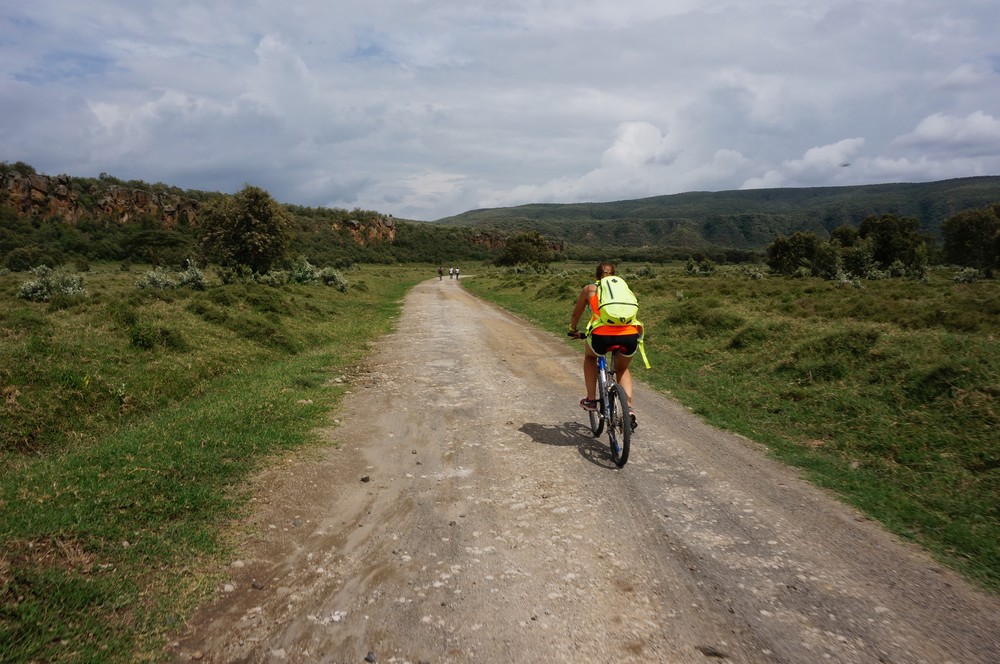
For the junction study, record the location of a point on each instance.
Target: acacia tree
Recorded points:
(528, 247)
(972, 238)
(248, 229)
(785, 255)
(894, 238)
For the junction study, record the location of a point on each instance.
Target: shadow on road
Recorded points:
(571, 434)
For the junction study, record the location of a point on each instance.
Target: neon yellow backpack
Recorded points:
(616, 303)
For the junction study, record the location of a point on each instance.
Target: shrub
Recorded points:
(303, 272)
(748, 337)
(332, 277)
(754, 272)
(969, 275)
(844, 279)
(704, 267)
(173, 339)
(36, 291)
(143, 336)
(22, 259)
(239, 274)
(527, 268)
(122, 313)
(156, 279)
(49, 282)
(643, 271)
(192, 277)
(276, 278)
(69, 284)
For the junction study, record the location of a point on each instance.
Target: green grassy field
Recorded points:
(129, 423)
(886, 394)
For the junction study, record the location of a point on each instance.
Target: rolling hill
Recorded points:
(748, 219)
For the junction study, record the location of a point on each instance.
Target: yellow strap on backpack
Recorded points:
(642, 347)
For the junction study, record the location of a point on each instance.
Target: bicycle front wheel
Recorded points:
(619, 425)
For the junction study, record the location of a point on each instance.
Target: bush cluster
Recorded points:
(882, 247)
(192, 277)
(527, 268)
(704, 267)
(968, 275)
(159, 279)
(641, 271)
(304, 272)
(49, 283)
(300, 272)
(156, 279)
(331, 277)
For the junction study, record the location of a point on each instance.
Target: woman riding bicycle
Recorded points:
(602, 338)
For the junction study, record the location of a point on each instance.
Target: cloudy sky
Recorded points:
(427, 108)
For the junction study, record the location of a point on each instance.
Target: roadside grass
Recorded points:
(124, 460)
(886, 394)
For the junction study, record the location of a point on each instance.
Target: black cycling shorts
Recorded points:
(601, 343)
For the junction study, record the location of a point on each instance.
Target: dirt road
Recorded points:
(468, 515)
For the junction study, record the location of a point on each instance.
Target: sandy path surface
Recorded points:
(464, 513)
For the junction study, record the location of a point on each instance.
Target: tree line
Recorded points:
(891, 245)
(252, 230)
(249, 227)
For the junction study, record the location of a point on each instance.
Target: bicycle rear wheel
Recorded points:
(596, 422)
(619, 425)
(597, 417)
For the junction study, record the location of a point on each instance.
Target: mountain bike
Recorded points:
(612, 410)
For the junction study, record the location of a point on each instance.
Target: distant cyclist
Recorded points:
(600, 338)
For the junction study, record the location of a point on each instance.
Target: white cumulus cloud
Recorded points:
(426, 109)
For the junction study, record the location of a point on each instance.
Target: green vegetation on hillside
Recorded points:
(885, 393)
(725, 227)
(733, 220)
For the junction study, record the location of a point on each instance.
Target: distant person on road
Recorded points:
(451, 273)
(440, 272)
(599, 338)
(457, 270)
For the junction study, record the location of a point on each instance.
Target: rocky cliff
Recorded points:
(73, 199)
(60, 196)
(372, 230)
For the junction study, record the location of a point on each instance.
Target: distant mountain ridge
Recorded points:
(743, 219)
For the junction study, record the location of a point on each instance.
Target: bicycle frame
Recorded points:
(603, 376)
(613, 411)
